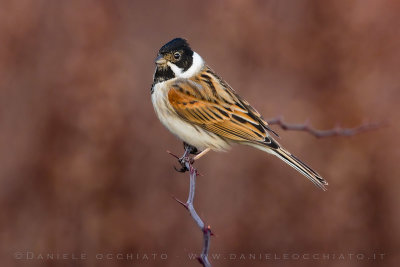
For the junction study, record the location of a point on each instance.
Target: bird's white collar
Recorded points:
(197, 64)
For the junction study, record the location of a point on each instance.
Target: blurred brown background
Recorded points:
(83, 167)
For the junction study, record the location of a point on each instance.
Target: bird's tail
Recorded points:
(272, 147)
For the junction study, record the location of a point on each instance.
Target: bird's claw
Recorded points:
(182, 161)
(182, 169)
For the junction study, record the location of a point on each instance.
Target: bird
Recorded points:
(196, 105)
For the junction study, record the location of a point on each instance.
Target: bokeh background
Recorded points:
(83, 162)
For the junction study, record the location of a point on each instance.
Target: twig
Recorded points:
(187, 162)
(337, 131)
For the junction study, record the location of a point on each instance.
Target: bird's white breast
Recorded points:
(189, 133)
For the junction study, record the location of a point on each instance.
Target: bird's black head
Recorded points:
(176, 52)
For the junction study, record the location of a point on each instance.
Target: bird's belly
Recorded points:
(194, 135)
(189, 133)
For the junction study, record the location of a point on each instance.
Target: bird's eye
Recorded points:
(177, 55)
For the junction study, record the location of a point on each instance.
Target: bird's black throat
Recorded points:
(163, 74)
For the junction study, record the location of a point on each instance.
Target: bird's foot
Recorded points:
(182, 161)
(186, 158)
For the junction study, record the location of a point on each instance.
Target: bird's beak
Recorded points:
(160, 60)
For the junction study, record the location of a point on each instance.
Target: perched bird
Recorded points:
(201, 109)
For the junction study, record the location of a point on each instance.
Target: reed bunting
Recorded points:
(201, 109)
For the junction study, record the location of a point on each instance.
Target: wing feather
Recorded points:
(210, 103)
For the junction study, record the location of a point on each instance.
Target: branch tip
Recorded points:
(336, 131)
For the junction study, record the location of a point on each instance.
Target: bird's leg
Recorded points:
(189, 149)
(186, 156)
(193, 150)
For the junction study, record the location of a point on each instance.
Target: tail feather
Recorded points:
(274, 148)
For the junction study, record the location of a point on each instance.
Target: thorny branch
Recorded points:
(187, 162)
(337, 131)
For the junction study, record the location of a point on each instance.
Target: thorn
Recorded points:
(180, 202)
(172, 154)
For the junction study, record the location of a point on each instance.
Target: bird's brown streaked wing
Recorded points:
(260, 119)
(217, 111)
(211, 79)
